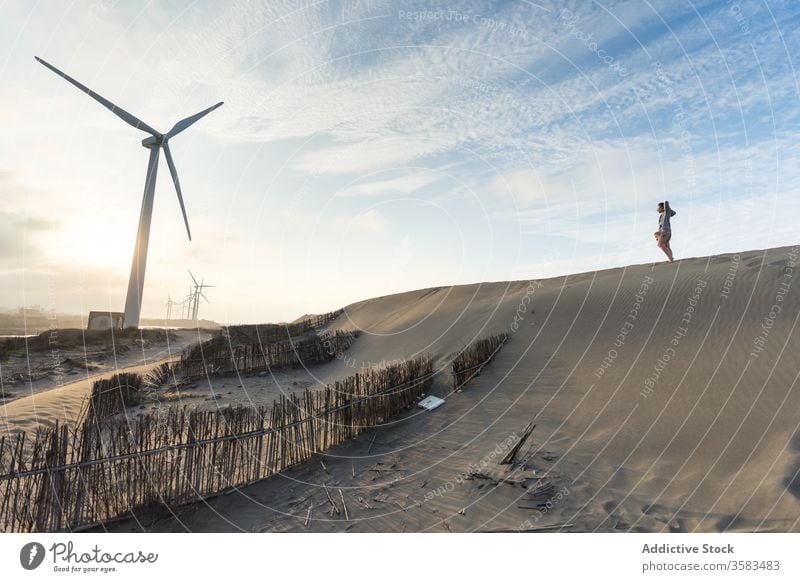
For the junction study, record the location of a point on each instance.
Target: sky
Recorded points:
(369, 148)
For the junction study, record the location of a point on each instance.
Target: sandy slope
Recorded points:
(691, 425)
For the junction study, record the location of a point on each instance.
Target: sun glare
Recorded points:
(97, 243)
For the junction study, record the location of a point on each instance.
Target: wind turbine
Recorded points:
(169, 305)
(155, 143)
(198, 292)
(187, 303)
(197, 301)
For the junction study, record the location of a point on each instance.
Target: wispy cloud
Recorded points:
(401, 185)
(372, 220)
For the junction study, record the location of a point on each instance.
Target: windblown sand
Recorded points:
(665, 398)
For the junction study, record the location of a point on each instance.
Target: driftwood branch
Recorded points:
(512, 454)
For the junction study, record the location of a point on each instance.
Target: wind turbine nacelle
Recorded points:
(152, 141)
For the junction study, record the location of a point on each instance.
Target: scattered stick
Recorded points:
(344, 505)
(334, 508)
(372, 442)
(530, 529)
(528, 450)
(362, 502)
(382, 471)
(542, 490)
(512, 454)
(296, 501)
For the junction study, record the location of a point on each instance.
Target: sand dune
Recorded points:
(665, 398)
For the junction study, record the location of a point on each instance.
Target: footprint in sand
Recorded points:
(662, 514)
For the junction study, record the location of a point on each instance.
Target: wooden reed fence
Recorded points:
(219, 356)
(111, 396)
(317, 321)
(93, 473)
(473, 358)
(272, 332)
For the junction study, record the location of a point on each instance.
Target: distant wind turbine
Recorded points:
(169, 305)
(155, 143)
(186, 304)
(198, 292)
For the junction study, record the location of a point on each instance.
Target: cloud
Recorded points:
(366, 155)
(607, 175)
(609, 196)
(400, 185)
(371, 221)
(23, 226)
(386, 90)
(524, 187)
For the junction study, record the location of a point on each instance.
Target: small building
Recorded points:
(100, 320)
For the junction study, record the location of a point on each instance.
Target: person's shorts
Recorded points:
(665, 236)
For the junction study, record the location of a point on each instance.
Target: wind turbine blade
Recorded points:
(193, 279)
(184, 123)
(118, 111)
(175, 181)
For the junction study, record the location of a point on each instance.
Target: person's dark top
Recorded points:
(663, 218)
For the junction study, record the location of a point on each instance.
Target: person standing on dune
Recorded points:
(664, 232)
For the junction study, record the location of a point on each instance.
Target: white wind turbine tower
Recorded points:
(186, 304)
(169, 305)
(198, 292)
(155, 143)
